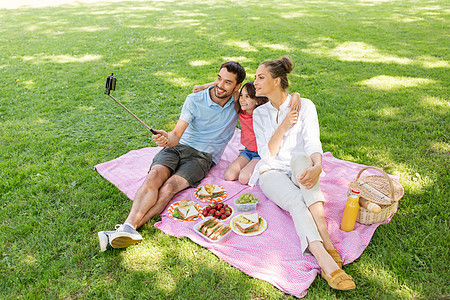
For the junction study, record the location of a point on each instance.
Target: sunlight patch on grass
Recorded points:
(178, 24)
(436, 102)
(415, 182)
(86, 108)
(30, 260)
(441, 147)
(373, 2)
(184, 13)
(89, 29)
(8, 4)
(240, 59)
(419, 8)
(292, 15)
(363, 52)
(359, 51)
(432, 62)
(159, 39)
(40, 121)
(276, 47)
(170, 125)
(174, 79)
(387, 83)
(122, 63)
(386, 280)
(389, 111)
(40, 59)
(143, 257)
(405, 19)
(242, 45)
(28, 84)
(199, 63)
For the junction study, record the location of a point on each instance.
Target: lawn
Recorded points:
(377, 71)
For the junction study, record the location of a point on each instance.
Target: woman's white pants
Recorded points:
(285, 190)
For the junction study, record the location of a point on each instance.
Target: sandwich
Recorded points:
(210, 191)
(187, 210)
(247, 223)
(213, 229)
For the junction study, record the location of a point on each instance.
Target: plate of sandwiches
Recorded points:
(249, 224)
(210, 193)
(212, 229)
(184, 210)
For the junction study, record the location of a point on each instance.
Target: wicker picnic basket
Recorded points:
(377, 189)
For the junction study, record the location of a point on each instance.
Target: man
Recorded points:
(197, 142)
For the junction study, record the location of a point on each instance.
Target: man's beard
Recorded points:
(223, 96)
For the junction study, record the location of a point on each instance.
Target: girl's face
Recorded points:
(264, 83)
(247, 103)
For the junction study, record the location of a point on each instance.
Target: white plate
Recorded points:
(196, 226)
(210, 199)
(236, 230)
(171, 209)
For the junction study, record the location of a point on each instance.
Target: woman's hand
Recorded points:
(161, 139)
(291, 118)
(296, 102)
(310, 177)
(198, 88)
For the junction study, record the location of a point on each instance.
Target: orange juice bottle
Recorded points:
(350, 211)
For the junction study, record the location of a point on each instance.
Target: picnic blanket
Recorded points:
(275, 255)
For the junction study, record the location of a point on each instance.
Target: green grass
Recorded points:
(378, 72)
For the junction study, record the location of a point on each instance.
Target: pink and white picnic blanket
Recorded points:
(275, 255)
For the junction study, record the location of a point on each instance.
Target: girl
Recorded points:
(242, 167)
(291, 163)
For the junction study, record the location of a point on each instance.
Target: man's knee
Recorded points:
(172, 186)
(156, 177)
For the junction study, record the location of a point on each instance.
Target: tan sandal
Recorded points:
(336, 257)
(339, 280)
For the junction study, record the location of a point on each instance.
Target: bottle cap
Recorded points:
(355, 192)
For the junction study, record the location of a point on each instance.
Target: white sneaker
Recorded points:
(124, 236)
(103, 238)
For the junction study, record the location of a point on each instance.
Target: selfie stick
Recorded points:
(111, 85)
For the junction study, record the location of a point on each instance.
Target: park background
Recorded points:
(377, 71)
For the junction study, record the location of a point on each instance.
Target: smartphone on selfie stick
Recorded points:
(111, 86)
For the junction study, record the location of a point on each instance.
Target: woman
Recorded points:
(291, 163)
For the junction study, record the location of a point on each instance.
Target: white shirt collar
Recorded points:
(283, 106)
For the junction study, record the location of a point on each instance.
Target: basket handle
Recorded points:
(391, 184)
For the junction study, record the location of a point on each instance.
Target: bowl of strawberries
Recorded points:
(219, 210)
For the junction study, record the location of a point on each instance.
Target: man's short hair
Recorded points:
(236, 68)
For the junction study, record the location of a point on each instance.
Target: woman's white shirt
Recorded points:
(304, 136)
